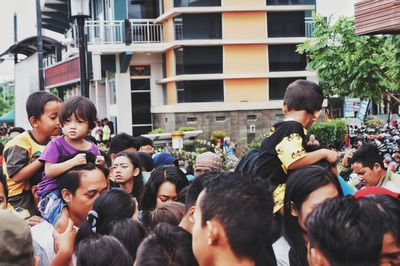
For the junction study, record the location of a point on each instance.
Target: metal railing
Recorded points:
(178, 25)
(105, 32)
(145, 31)
(309, 26)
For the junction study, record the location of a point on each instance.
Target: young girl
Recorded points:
(127, 174)
(76, 117)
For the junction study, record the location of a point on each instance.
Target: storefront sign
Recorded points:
(63, 73)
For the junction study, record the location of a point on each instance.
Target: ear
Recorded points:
(284, 109)
(112, 155)
(66, 195)
(190, 214)
(293, 210)
(136, 171)
(34, 121)
(316, 114)
(212, 232)
(377, 167)
(317, 258)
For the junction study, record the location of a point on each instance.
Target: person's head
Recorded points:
(16, 241)
(312, 137)
(304, 95)
(130, 233)
(167, 245)
(126, 169)
(77, 116)
(207, 161)
(42, 109)
(15, 131)
(164, 159)
(80, 186)
(109, 207)
(344, 231)
(169, 212)
(102, 251)
(105, 121)
(146, 145)
(122, 142)
(233, 215)
(305, 189)
(147, 165)
(164, 185)
(367, 162)
(3, 191)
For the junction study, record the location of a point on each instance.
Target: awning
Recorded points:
(8, 117)
(28, 46)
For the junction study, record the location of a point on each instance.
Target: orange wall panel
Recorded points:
(242, 3)
(168, 4)
(244, 25)
(246, 58)
(170, 63)
(169, 30)
(171, 93)
(246, 90)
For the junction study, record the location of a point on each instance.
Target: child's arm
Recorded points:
(313, 157)
(27, 171)
(56, 169)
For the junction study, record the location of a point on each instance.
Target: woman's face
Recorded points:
(123, 170)
(313, 200)
(3, 202)
(166, 193)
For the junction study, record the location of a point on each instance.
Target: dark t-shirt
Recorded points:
(283, 145)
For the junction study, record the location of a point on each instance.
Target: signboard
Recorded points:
(363, 110)
(351, 105)
(66, 72)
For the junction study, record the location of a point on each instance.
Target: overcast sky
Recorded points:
(26, 14)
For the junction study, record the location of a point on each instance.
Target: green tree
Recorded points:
(6, 97)
(351, 65)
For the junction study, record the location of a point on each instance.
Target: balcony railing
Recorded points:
(123, 31)
(309, 26)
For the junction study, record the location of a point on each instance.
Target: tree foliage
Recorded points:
(351, 65)
(6, 97)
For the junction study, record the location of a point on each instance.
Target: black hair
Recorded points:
(143, 141)
(138, 184)
(368, 155)
(390, 208)
(157, 178)
(303, 95)
(122, 142)
(347, 231)
(36, 102)
(102, 251)
(146, 160)
(71, 179)
(169, 212)
(16, 129)
(195, 188)
(81, 107)
(3, 182)
(110, 206)
(167, 245)
(243, 205)
(300, 184)
(130, 232)
(1, 149)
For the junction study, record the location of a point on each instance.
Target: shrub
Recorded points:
(374, 123)
(186, 129)
(217, 134)
(157, 131)
(331, 133)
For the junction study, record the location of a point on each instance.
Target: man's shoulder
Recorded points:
(42, 234)
(23, 140)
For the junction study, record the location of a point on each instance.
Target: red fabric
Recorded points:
(375, 191)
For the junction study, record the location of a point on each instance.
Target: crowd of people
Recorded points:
(69, 203)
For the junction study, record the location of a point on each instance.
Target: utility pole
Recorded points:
(15, 37)
(39, 44)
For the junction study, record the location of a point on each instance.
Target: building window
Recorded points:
(186, 3)
(251, 118)
(277, 87)
(198, 26)
(112, 91)
(286, 24)
(290, 2)
(143, 9)
(220, 118)
(198, 60)
(285, 58)
(191, 119)
(141, 103)
(200, 91)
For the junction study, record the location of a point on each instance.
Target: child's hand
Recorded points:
(100, 160)
(79, 159)
(347, 158)
(331, 156)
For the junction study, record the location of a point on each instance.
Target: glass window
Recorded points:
(285, 58)
(140, 84)
(198, 60)
(141, 108)
(277, 87)
(140, 130)
(112, 91)
(286, 24)
(290, 2)
(186, 3)
(143, 9)
(200, 91)
(200, 26)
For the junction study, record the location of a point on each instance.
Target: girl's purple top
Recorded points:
(54, 151)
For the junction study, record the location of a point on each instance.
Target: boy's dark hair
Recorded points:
(303, 95)
(247, 237)
(346, 231)
(81, 107)
(16, 129)
(143, 141)
(169, 212)
(36, 102)
(368, 155)
(146, 161)
(102, 250)
(299, 185)
(122, 142)
(167, 245)
(157, 178)
(3, 182)
(71, 180)
(195, 188)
